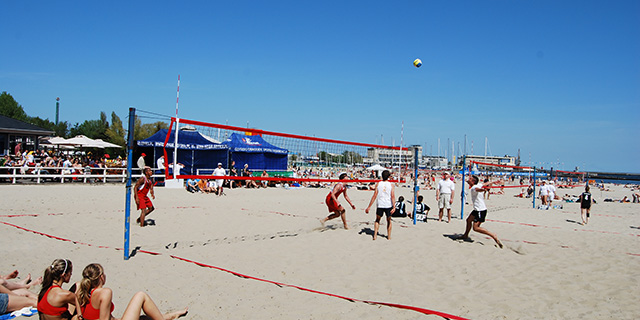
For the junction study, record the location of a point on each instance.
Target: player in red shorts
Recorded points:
(334, 206)
(143, 186)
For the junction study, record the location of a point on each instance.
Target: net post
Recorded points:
(175, 148)
(464, 161)
(127, 210)
(534, 187)
(415, 184)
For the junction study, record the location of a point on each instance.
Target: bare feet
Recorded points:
(12, 275)
(346, 227)
(36, 282)
(26, 280)
(176, 314)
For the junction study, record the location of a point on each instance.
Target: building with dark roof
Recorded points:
(14, 131)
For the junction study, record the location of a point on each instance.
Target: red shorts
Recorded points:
(145, 202)
(333, 205)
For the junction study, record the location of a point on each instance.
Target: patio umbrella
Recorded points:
(106, 144)
(58, 142)
(83, 141)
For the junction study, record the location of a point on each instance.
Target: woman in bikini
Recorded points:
(96, 300)
(53, 301)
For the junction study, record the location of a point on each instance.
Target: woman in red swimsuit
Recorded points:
(96, 300)
(334, 206)
(53, 301)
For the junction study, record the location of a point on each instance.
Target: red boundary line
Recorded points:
(280, 284)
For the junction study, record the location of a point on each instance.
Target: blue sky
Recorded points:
(559, 80)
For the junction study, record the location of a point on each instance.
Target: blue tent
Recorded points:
(256, 152)
(194, 150)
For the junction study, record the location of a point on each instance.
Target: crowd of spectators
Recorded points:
(57, 162)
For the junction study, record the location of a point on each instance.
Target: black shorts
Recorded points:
(382, 211)
(478, 216)
(585, 206)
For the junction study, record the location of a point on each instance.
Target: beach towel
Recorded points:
(27, 312)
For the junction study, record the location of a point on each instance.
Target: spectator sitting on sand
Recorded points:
(14, 295)
(192, 185)
(53, 301)
(97, 300)
(19, 287)
(203, 185)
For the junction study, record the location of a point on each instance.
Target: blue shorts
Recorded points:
(4, 302)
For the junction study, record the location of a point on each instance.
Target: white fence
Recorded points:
(62, 174)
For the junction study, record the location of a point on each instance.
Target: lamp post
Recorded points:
(57, 109)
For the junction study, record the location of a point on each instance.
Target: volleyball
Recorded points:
(417, 63)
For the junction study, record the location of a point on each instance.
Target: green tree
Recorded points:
(9, 107)
(143, 131)
(351, 157)
(94, 129)
(116, 133)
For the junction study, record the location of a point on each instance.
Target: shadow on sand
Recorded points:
(369, 232)
(457, 237)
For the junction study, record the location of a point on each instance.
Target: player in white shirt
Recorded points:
(384, 194)
(479, 213)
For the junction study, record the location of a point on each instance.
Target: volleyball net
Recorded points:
(512, 176)
(249, 154)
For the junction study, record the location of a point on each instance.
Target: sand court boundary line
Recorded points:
(244, 276)
(559, 228)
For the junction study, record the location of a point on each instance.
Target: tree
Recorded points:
(61, 129)
(9, 107)
(143, 131)
(351, 157)
(94, 129)
(116, 133)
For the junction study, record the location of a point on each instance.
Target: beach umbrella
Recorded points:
(54, 140)
(57, 142)
(84, 142)
(106, 144)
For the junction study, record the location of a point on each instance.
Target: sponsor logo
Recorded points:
(249, 142)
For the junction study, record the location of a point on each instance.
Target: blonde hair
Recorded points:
(90, 279)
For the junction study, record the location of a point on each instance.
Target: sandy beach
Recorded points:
(551, 267)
